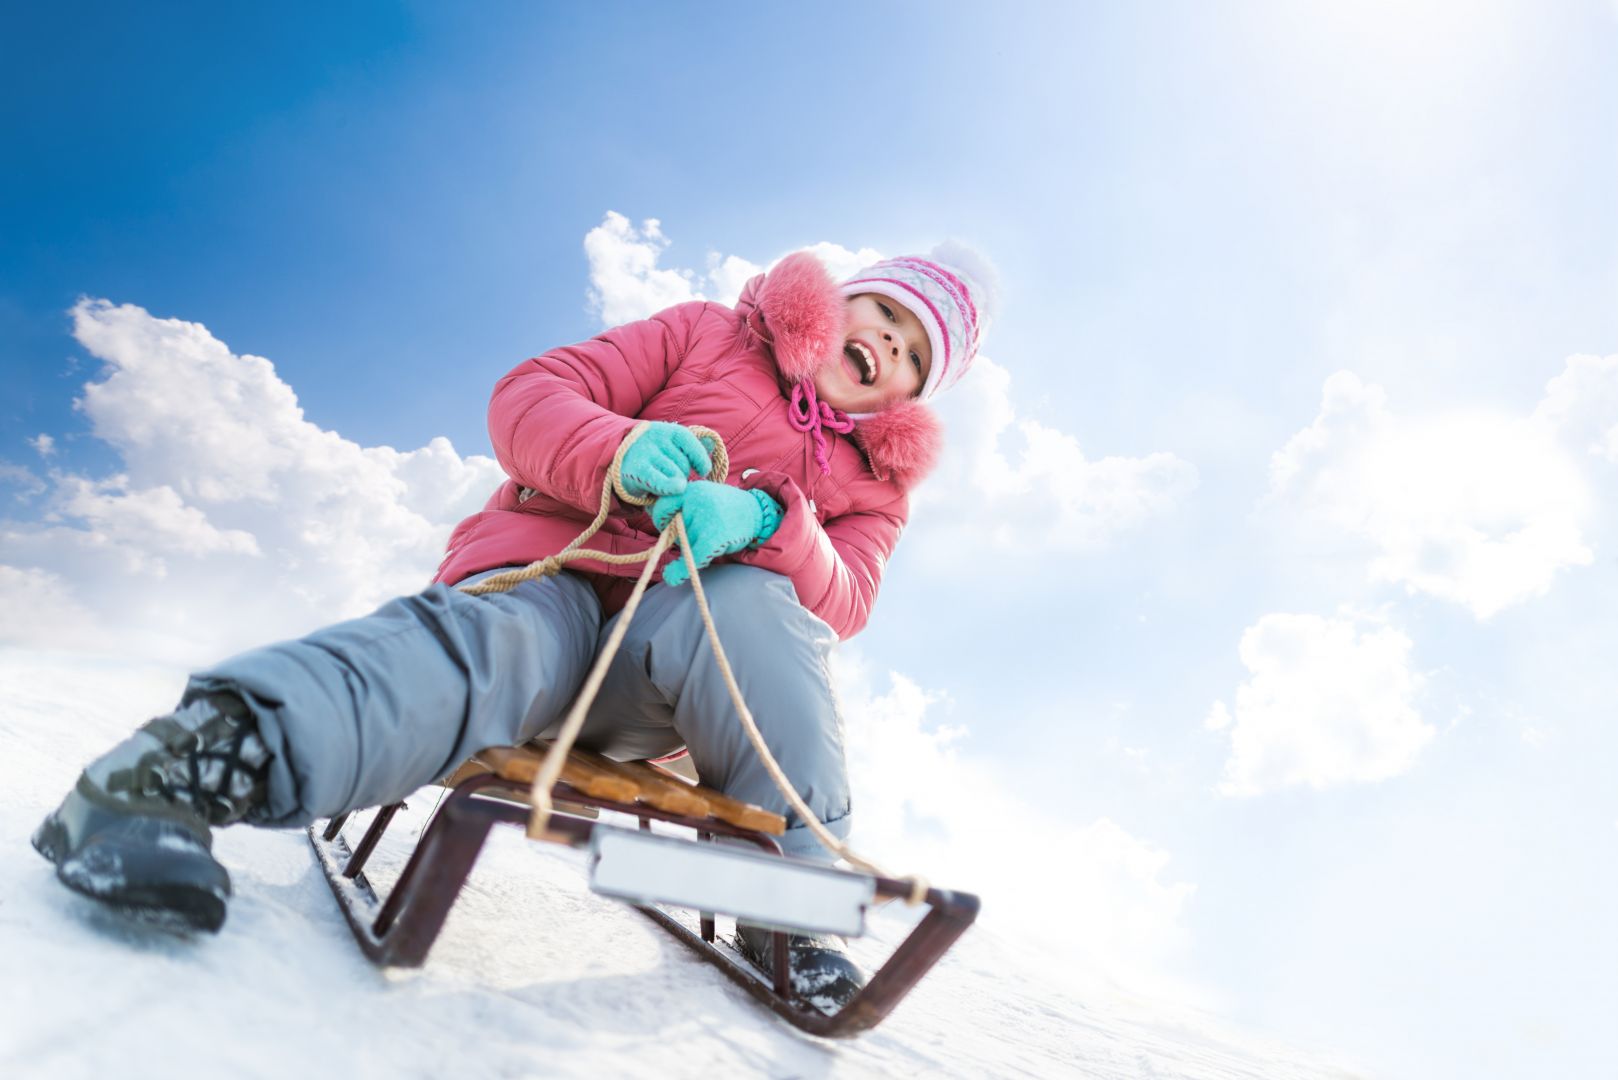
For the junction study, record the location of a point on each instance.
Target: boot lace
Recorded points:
(219, 767)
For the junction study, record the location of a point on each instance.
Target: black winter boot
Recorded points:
(134, 831)
(820, 971)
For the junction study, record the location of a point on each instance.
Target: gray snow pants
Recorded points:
(364, 712)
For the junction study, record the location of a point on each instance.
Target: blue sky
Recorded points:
(1200, 213)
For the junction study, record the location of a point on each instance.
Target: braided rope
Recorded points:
(550, 769)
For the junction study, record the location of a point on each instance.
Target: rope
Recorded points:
(550, 769)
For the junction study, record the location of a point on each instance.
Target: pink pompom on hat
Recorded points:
(952, 292)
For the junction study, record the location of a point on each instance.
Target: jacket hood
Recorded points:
(797, 310)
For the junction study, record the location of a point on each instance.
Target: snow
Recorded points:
(533, 976)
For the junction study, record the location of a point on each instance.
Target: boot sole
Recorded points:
(97, 872)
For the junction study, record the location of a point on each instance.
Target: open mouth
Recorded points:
(863, 362)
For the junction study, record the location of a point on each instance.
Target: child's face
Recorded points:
(886, 356)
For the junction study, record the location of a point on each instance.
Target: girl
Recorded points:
(817, 390)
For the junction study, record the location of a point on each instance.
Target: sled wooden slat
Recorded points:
(520, 763)
(674, 793)
(626, 781)
(655, 787)
(740, 813)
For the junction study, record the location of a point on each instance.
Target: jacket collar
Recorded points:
(797, 310)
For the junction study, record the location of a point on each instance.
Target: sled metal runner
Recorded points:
(399, 929)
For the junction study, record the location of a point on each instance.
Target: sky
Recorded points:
(1249, 645)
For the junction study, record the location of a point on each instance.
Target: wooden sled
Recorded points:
(651, 871)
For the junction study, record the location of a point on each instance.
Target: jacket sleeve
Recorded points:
(555, 421)
(836, 568)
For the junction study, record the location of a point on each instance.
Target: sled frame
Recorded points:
(399, 930)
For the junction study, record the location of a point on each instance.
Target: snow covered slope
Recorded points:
(534, 976)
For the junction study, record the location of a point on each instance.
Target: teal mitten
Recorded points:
(719, 520)
(660, 460)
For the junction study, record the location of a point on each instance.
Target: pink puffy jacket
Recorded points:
(557, 420)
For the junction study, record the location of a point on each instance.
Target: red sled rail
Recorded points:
(399, 930)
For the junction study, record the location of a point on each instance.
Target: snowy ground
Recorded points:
(534, 976)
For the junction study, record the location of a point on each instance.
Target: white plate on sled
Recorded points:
(645, 868)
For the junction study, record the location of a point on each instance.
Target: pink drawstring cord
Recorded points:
(808, 413)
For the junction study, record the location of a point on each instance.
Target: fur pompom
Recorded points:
(980, 273)
(902, 442)
(805, 313)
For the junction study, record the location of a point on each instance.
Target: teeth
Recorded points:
(867, 361)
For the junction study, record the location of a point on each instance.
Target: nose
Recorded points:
(895, 347)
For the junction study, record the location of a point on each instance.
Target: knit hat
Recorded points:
(952, 292)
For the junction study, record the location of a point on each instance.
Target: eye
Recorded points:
(915, 358)
(886, 310)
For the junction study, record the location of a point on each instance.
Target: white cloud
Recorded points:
(842, 262)
(233, 519)
(626, 282)
(1478, 509)
(27, 484)
(147, 522)
(924, 806)
(1581, 405)
(1327, 702)
(1032, 481)
(40, 608)
(1033, 484)
(43, 444)
(728, 275)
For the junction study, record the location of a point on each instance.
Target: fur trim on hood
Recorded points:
(799, 312)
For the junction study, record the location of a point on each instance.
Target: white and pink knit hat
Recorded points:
(951, 291)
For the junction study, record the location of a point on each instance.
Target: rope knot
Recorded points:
(806, 412)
